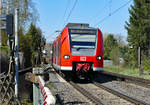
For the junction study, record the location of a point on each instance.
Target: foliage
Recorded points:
(126, 71)
(27, 11)
(123, 51)
(34, 36)
(109, 43)
(114, 55)
(4, 59)
(27, 14)
(138, 29)
(24, 46)
(4, 48)
(34, 39)
(130, 60)
(30, 44)
(146, 64)
(21, 39)
(4, 38)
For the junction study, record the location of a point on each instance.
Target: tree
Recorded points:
(109, 43)
(27, 14)
(27, 11)
(35, 40)
(21, 39)
(26, 48)
(115, 55)
(35, 35)
(138, 28)
(4, 38)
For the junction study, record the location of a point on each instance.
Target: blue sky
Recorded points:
(52, 15)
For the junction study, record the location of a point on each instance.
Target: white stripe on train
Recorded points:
(69, 68)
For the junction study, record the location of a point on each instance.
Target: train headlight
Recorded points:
(99, 57)
(66, 57)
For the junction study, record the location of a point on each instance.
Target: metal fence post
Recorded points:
(35, 90)
(37, 96)
(41, 101)
(41, 94)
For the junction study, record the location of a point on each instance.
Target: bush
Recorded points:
(4, 61)
(146, 64)
(4, 48)
(114, 55)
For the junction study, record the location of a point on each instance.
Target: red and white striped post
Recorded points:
(49, 99)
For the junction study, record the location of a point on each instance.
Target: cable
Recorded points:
(67, 16)
(110, 2)
(63, 17)
(66, 8)
(70, 12)
(112, 13)
(96, 16)
(65, 11)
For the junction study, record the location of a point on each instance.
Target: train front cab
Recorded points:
(73, 54)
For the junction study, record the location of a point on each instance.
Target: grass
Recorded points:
(25, 102)
(126, 71)
(5, 48)
(51, 85)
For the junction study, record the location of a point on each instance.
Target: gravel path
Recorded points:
(107, 97)
(68, 94)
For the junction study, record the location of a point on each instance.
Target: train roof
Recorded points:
(79, 26)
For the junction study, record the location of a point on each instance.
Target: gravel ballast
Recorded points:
(67, 93)
(107, 97)
(130, 89)
(135, 91)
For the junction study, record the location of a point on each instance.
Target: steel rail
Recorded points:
(135, 80)
(121, 95)
(87, 94)
(26, 69)
(82, 91)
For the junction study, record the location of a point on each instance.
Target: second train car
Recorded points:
(79, 49)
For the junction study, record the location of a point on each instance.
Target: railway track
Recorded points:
(138, 81)
(82, 91)
(87, 94)
(121, 95)
(97, 101)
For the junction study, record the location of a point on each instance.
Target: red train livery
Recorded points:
(78, 48)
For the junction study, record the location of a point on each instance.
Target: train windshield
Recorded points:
(82, 40)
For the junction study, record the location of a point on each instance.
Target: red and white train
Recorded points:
(79, 49)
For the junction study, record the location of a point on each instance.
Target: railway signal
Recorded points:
(13, 37)
(9, 24)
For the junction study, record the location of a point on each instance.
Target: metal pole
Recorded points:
(0, 22)
(35, 89)
(16, 51)
(139, 61)
(0, 29)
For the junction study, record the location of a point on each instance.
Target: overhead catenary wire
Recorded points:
(97, 15)
(110, 14)
(63, 17)
(110, 2)
(65, 11)
(74, 5)
(67, 16)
